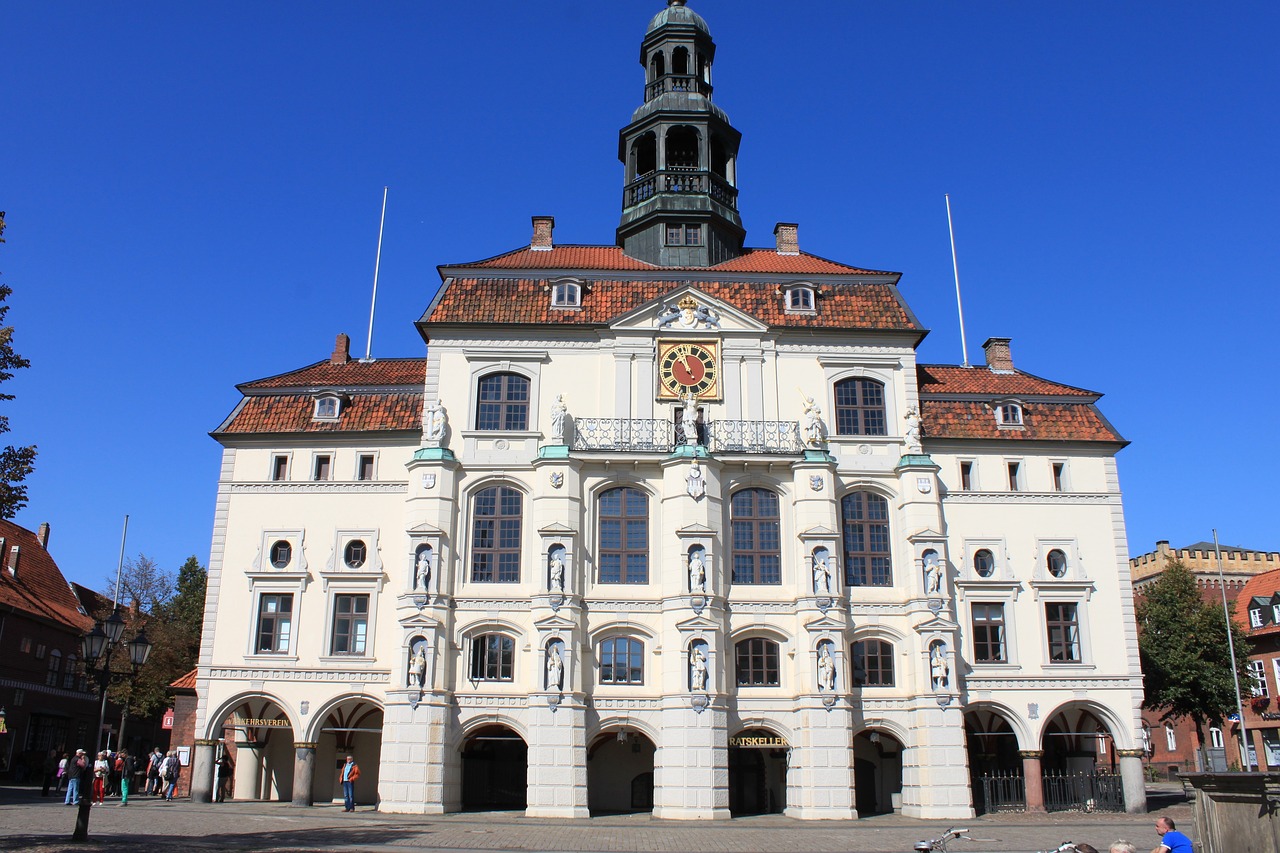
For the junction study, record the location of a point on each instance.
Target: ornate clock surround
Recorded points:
(688, 365)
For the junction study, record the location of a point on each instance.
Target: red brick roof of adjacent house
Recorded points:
(527, 301)
(949, 379)
(613, 258)
(1047, 421)
(39, 588)
(1263, 585)
(293, 413)
(185, 682)
(323, 374)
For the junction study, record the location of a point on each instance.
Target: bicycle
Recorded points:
(939, 844)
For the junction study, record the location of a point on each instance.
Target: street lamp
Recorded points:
(97, 648)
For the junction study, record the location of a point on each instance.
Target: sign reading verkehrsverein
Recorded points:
(766, 742)
(253, 724)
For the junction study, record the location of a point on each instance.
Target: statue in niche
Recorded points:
(938, 668)
(696, 481)
(435, 421)
(558, 410)
(698, 669)
(422, 569)
(556, 581)
(555, 668)
(821, 575)
(689, 419)
(418, 666)
(826, 669)
(912, 433)
(697, 572)
(811, 427)
(932, 574)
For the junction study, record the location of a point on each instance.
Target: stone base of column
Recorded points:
(1134, 780)
(690, 813)
(819, 813)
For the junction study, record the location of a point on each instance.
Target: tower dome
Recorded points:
(677, 13)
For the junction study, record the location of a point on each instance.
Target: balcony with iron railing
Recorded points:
(661, 436)
(676, 83)
(680, 181)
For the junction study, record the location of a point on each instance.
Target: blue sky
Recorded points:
(193, 194)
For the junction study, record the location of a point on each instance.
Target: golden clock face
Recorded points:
(686, 367)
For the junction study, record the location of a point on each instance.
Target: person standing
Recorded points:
(1171, 841)
(169, 772)
(226, 775)
(153, 771)
(350, 773)
(124, 767)
(100, 770)
(62, 771)
(76, 769)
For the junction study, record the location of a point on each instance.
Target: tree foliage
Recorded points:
(16, 463)
(1186, 662)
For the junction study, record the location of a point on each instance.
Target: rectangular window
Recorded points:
(966, 476)
(350, 624)
(1170, 738)
(41, 649)
(1255, 617)
(988, 633)
(1258, 671)
(757, 661)
(364, 467)
(25, 645)
(492, 658)
(279, 468)
(275, 623)
(321, 469)
(684, 235)
(1063, 624)
(1015, 476)
(1059, 476)
(872, 663)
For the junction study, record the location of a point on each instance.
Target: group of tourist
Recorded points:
(111, 773)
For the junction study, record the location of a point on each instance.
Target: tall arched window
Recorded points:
(624, 536)
(756, 662)
(503, 402)
(621, 661)
(872, 663)
(495, 535)
(753, 520)
(860, 407)
(682, 148)
(867, 560)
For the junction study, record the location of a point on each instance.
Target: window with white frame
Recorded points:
(1258, 673)
(364, 466)
(1058, 470)
(1170, 738)
(281, 554)
(988, 634)
(275, 623)
(800, 299)
(1255, 617)
(492, 658)
(279, 467)
(350, 624)
(1009, 414)
(984, 562)
(1215, 738)
(1015, 475)
(1056, 563)
(322, 466)
(621, 661)
(327, 408)
(966, 476)
(1062, 624)
(872, 663)
(495, 535)
(566, 294)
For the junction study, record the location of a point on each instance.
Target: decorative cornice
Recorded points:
(325, 487)
(976, 684)
(491, 701)
(367, 676)
(1031, 497)
(624, 704)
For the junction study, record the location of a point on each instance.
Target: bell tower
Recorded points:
(680, 192)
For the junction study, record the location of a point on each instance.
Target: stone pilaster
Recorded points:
(935, 770)
(557, 759)
(820, 782)
(691, 766)
(415, 766)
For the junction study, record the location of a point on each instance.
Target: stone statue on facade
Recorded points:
(689, 419)
(812, 430)
(434, 423)
(697, 572)
(422, 570)
(556, 581)
(558, 411)
(932, 574)
(555, 669)
(418, 666)
(826, 669)
(939, 670)
(913, 433)
(695, 482)
(698, 669)
(821, 576)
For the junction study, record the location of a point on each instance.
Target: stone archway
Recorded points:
(495, 770)
(620, 772)
(262, 749)
(350, 727)
(877, 772)
(996, 767)
(757, 773)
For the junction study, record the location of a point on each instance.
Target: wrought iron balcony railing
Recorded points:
(624, 434)
(680, 181)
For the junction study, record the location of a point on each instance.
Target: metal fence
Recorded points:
(626, 434)
(1086, 792)
(1001, 791)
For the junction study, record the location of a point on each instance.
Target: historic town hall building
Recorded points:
(668, 524)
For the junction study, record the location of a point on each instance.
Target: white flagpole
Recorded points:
(373, 303)
(124, 534)
(964, 347)
(1231, 648)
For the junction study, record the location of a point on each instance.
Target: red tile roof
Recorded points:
(613, 258)
(39, 588)
(292, 413)
(1047, 421)
(185, 682)
(1263, 585)
(947, 379)
(322, 374)
(844, 306)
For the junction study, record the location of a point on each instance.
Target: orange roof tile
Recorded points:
(292, 413)
(322, 374)
(943, 379)
(613, 258)
(39, 588)
(185, 682)
(1264, 585)
(1051, 421)
(843, 306)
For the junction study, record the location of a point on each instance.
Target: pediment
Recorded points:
(825, 623)
(555, 622)
(696, 529)
(697, 623)
(662, 316)
(927, 534)
(557, 528)
(818, 531)
(421, 622)
(426, 528)
(936, 624)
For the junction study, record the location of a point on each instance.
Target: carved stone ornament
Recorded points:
(924, 485)
(428, 481)
(687, 314)
(816, 482)
(557, 479)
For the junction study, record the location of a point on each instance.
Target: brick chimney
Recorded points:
(542, 228)
(42, 535)
(999, 358)
(341, 350)
(788, 235)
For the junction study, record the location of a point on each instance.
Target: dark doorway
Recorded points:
(495, 768)
(757, 774)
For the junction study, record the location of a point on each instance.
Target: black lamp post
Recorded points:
(97, 648)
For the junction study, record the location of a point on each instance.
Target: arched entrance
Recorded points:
(1076, 741)
(757, 773)
(353, 727)
(261, 750)
(995, 769)
(495, 770)
(877, 772)
(620, 773)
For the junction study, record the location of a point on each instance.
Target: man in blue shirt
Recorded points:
(1171, 841)
(351, 772)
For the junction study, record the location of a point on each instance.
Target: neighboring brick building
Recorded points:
(1258, 612)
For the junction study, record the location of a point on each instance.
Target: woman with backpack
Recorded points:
(169, 771)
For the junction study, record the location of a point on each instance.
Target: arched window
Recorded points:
(355, 553)
(658, 65)
(872, 663)
(757, 555)
(801, 299)
(1009, 414)
(504, 402)
(495, 535)
(682, 148)
(756, 662)
(865, 519)
(984, 563)
(719, 158)
(624, 536)
(860, 407)
(69, 673)
(566, 294)
(1056, 562)
(621, 661)
(645, 153)
(680, 60)
(492, 658)
(55, 668)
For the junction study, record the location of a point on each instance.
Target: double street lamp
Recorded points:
(97, 648)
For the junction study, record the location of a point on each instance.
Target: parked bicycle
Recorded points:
(939, 844)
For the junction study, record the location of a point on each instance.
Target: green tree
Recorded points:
(16, 463)
(1186, 662)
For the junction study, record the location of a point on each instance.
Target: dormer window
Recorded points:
(1255, 617)
(800, 299)
(1009, 414)
(566, 294)
(1275, 613)
(327, 408)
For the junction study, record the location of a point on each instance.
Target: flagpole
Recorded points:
(377, 261)
(955, 266)
(1231, 647)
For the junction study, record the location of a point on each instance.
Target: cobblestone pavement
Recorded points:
(29, 822)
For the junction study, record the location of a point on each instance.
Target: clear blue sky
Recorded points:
(193, 191)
